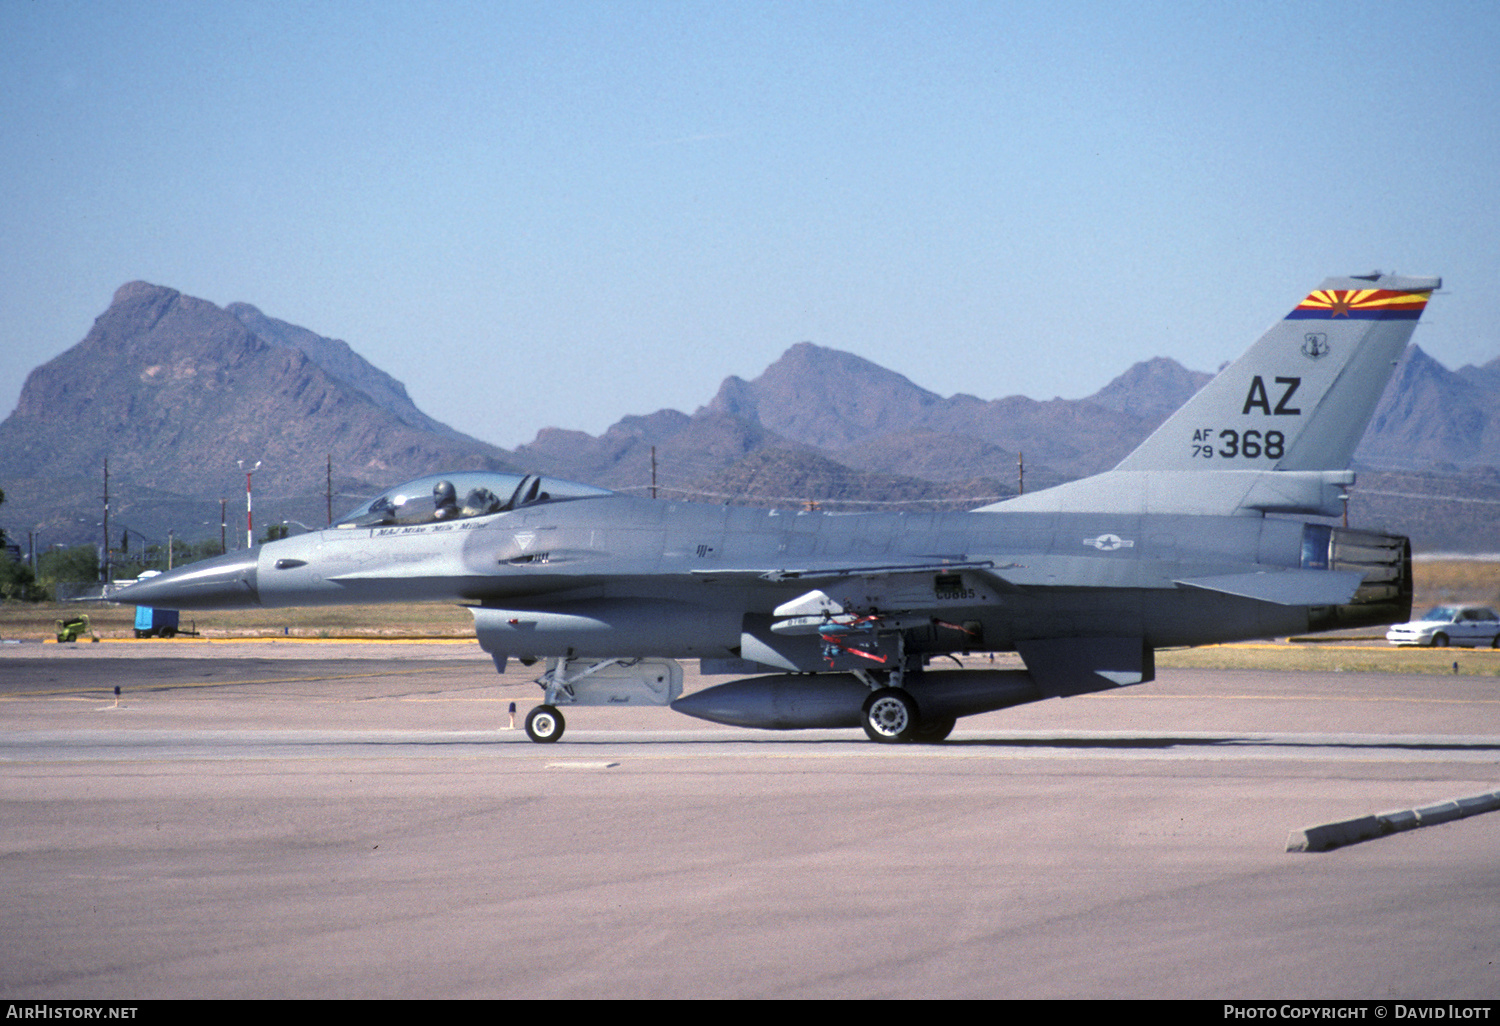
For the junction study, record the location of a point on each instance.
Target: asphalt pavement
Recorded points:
(329, 820)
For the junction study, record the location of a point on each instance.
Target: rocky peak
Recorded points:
(825, 397)
(1153, 388)
(173, 389)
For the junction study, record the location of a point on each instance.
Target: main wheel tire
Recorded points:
(1440, 641)
(890, 716)
(545, 724)
(932, 731)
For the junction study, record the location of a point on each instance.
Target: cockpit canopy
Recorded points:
(462, 495)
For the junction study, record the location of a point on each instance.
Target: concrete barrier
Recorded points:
(1327, 836)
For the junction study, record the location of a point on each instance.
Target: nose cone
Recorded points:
(225, 582)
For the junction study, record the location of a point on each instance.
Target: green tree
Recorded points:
(153, 556)
(16, 580)
(78, 564)
(205, 549)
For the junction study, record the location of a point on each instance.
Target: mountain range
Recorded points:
(171, 390)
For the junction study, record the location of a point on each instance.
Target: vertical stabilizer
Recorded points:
(1301, 397)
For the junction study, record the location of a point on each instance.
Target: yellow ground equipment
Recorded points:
(72, 629)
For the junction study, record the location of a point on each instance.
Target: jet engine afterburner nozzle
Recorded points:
(1386, 594)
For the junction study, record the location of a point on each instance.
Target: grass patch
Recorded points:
(1441, 582)
(1372, 656)
(415, 619)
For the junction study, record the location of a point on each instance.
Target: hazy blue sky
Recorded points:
(559, 213)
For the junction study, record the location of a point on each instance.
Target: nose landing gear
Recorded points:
(545, 724)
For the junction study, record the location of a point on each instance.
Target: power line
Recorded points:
(799, 500)
(1356, 493)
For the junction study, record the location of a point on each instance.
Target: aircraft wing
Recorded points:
(1286, 586)
(836, 571)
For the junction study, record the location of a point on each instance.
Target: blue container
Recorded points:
(150, 622)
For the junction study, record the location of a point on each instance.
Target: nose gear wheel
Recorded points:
(544, 724)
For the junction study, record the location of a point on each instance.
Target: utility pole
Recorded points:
(653, 472)
(1020, 473)
(249, 518)
(223, 526)
(330, 489)
(108, 568)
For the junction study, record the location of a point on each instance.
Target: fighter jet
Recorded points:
(1200, 535)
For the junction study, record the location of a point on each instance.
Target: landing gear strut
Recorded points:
(612, 682)
(891, 714)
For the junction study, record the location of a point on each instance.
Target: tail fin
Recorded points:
(1302, 395)
(1275, 430)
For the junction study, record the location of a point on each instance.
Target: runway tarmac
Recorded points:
(330, 820)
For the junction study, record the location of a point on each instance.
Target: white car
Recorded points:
(1470, 626)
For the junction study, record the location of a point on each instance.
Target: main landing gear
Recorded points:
(891, 716)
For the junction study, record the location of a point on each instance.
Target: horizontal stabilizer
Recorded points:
(1285, 587)
(1077, 666)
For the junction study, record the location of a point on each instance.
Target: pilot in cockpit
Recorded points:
(480, 501)
(444, 501)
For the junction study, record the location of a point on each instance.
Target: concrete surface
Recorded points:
(318, 820)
